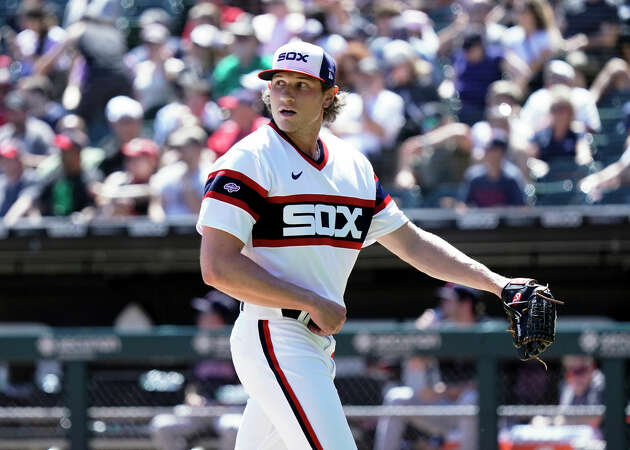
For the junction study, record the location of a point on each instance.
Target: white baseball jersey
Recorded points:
(301, 220)
(304, 221)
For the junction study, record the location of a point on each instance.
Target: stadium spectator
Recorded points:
(536, 38)
(411, 78)
(597, 21)
(35, 136)
(204, 51)
(151, 82)
(140, 53)
(214, 13)
(494, 182)
(15, 182)
(244, 109)
(611, 87)
(37, 90)
(420, 34)
(348, 64)
(452, 384)
(178, 188)
(476, 66)
(436, 161)
(68, 191)
(502, 113)
(559, 140)
(177, 113)
(100, 73)
(472, 14)
(124, 115)
(174, 431)
(91, 157)
(278, 25)
(40, 34)
(374, 115)
(583, 384)
(536, 108)
(608, 180)
(244, 58)
(5, 85)
(128, 192)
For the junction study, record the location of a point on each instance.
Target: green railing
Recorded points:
(487, 343)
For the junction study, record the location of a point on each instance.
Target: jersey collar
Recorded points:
(323, 158)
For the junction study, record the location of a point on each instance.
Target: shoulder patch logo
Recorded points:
(231, 187)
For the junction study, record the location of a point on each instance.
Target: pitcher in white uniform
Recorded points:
(285, 213)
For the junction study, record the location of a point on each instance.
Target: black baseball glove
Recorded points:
(531, 310)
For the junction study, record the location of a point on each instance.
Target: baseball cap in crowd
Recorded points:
(560, 69)
(9, 150)
(155, 33)
(154, 15)
(242, 27)
(219, 303)
(71, 140)
(458, 291)
(187, 135)
(414, 20)
(397, 52)
(302, 57)
(312, 29)
(240, 96)
(207, 36)
(123, 106)
(140, 147)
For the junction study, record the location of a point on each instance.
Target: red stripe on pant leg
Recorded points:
(287, 386)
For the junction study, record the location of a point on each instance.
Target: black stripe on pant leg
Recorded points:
(263, 343)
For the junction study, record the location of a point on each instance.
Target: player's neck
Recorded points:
(306, 141)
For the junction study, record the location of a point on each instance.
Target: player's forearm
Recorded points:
(437, 258)
(441, 260)
(242, 278)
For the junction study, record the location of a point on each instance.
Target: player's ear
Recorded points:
(330, 96)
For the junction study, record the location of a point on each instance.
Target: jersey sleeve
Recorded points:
(387, 216)
(234, 195)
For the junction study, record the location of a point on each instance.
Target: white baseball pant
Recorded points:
(288, 372)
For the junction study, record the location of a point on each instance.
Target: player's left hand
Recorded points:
(531, 310)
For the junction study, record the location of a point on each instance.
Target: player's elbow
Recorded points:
(212, 272)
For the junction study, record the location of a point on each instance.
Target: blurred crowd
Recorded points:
(470, 103)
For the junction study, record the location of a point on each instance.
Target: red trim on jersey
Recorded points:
(310, 160)
(287, 386)
(381, 206)
(241, 177)
(233, 201)
(337, 199)
(298, 242)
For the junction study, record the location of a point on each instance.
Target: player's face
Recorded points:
(297, 101)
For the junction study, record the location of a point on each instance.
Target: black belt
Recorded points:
(292, 313)
(295, 314)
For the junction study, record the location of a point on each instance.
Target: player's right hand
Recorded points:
(328, 316)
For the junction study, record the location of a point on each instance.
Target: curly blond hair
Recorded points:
(330, 113)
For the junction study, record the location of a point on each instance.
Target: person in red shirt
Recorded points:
(245, 117)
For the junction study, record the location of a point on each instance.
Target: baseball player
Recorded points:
(285, 213)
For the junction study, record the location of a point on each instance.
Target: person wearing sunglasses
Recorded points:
(583, 384)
